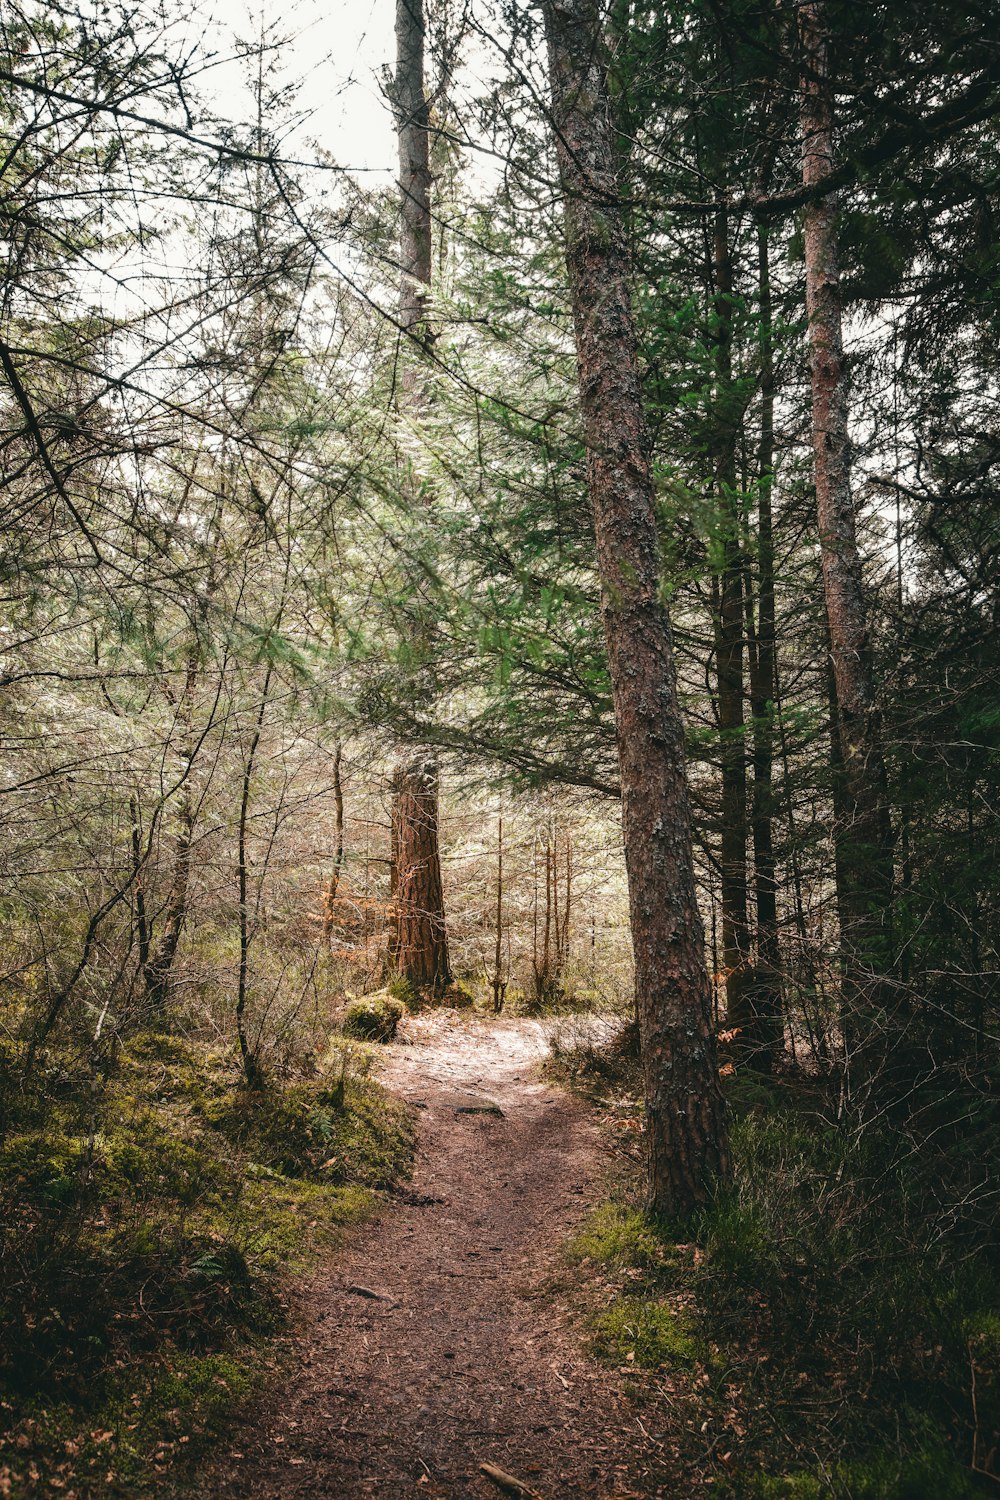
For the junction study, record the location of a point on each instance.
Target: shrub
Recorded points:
(930, 1475)
(405, 991)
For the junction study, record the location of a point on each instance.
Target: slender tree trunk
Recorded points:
(333, 884)
(686, 1121)
(498, 984)
(419, 944)
(729, 661)
(159, 966)
(864, 835)
(251, 1066)
(551, 963)
(806, 971)
(544, 972)
(161, 961)
(139, 898)
(765, 998)
(567, 904)
(413, 139)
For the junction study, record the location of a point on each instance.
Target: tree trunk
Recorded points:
(498, 983)
(419, 944)
(139, 897)
(421, 948)
(333, 884)
(251, 1065)
(567, 904)
(728, 624)
(764, 1001)
(412, 119)
(864, 832)
(160, 962)
(686, 1121)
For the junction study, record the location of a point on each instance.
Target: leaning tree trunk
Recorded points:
(686, 1121)
(864, 831)
(418, 945)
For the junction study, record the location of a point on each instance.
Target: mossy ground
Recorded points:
(823, 1330)
(373, 1018)
(151, 1219)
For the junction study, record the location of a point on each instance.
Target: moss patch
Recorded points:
(374, 1018)
(350, 1134)
(649, 1332)
(615, 1235)
(931, 1475)
(147, 1227)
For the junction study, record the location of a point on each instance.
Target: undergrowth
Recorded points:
(151, 1211)
(829, 1327)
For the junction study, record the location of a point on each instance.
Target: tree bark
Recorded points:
(160, 960)
(419, 944)
(864, 835)
(766, 1037)
(728, 622)
(497, 982)
(413, 139)
(421, 947)
(139, 897)
(251, 1065)
(333, 884)
(686, 1122)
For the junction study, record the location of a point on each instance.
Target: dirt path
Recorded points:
(462, 1360)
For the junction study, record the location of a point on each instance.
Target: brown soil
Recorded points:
(466, 1355)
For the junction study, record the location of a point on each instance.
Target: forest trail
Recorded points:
(463, 1358)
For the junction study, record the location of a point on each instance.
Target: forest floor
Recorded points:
(443, 1337)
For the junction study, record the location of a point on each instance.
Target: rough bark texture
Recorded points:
(864, 832)
(414, 170)
(419, 945)
(686, 1122)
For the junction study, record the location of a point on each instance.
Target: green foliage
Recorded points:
(843, 1272)
(842, 1234)
(405, 991)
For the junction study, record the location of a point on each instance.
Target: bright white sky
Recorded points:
(336, 50)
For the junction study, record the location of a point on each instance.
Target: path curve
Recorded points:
(463, 1358)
